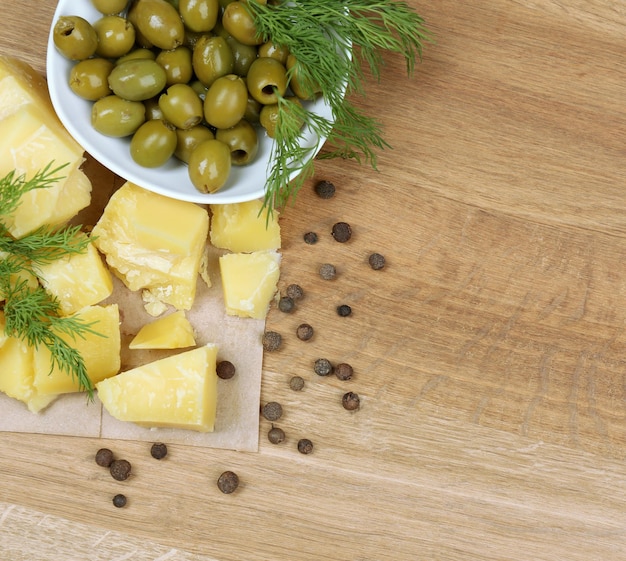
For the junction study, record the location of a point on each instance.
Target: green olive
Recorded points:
(239, 23)
(181, 106)
(89, 78)
(199, 15)
(153, 111)
(114, 116)
(269, 115)
(116, 36)
(137, 79)
(75, 37)
(225, 102)
(159, 22)
(140, 38)
(177, 65)
(243, 55)
(242, 140)
(253, 110)
(209, 166)
(108, 7)
(199, 88)
(189, 139)
(272, 50)
(211, 59)
(266, 76)
(296, 84)
(139, 53)
(153, 144)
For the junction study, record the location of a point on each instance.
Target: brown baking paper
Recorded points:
(239, 340)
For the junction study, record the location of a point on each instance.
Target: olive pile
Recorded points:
(189, 79)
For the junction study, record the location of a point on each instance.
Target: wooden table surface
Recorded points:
(490, 353)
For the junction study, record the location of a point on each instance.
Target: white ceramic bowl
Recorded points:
(245, 183)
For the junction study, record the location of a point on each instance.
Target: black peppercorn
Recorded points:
(158, 450)
(322, 367)
(104, 457)
(328, 271)
(344, 371)
(272, 411)
(351, 401)
(272, 340)
(342, 231)
(310, 238)
(120, 469)
(295, 292)
(344, 310)
(276, 435)
(304, 332)
(325, 189)
(119, 501)
(225, 369)
(296, 383)
(286, 304)
(305, 446)
(227, 482)
(376, 261)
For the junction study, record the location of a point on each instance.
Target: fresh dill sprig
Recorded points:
(31, 313)
(332, 42)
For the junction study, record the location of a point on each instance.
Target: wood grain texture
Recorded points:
(488, 354)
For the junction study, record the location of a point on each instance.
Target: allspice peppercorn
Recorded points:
(227, 482)
(376, 261)
(104, 457)
(286, 304)
(305, 446)
(328, 271)
(119, 500)
(225, 369)
(342, 232)
(120, 469)
(325, 189)
(304, 332)
(310, 238)
(351, 401)
(344, 310)
(295, 292)
(344, 371)
(276, 435)
(322, 367)
(296, 383)
(272, 411)
(158, 450)
(272, 341)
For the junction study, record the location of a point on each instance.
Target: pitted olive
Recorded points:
(108, 7)
(189, 139)
(242, 140)
(75, 37)
(117, 117)
(209, 166)
(239, 23)
(89, 78)
(212, 58)
(199, 15)
(225, 102)
(177, 65)
(153, 143)
(266, 76)
(116, 36)
(137, 79)
(159, 22)
(181, 106)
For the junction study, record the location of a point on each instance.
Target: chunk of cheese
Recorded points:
(31, 137)
(16, 373)
(244, 227)
(249, 282)
(100, 353)
(154, 243)
(77, 280)
(169, 332)
(179, 391)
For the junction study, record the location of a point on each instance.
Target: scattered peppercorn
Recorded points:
(344, 371)
(296, 383)
(304, 332)
(227, 482)
(272, 340)
(328, 271)
(324, 189)
(276, 435)
(344, 310)
(104, 457)
(305, 446)
(322, 367)
(119, 501)
(120, 469)
(295, 292)
(272, 411)
(286, 304)
(158, 450)
(225, 369)
(310, 238)
(376, 261)
(351, 401)
(342, 232)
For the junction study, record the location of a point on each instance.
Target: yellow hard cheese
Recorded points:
(244, 227)
(31, 137)
(169, 332)
(77, 280)
(153, 243)
(100, 352)
(179, 391)
(249, 282)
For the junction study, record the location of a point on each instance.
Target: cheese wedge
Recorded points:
(249, 282)
(77, 280)
(154, 243)
(179, 391)
(169, 332)
(100, 353)
(244, 227)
